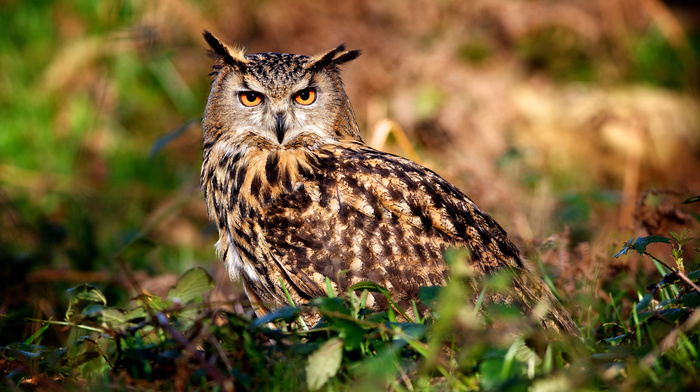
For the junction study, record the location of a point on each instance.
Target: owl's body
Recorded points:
(298, 197)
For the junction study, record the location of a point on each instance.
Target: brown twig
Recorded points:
(162, 321)
(99, 350)
(675, 271)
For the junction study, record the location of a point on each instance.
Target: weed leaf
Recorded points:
(114, 319)
(81, 296)
(693, 199)
(191, 286)
(371, 287)
(691, 300)
(644, 303)
(88, 293)
(324, 363)
(695, 275)
(640, 244)
(429, 295)
(286, 313)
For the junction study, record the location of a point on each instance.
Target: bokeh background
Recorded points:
(576, 124)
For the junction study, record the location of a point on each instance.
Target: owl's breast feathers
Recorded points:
(350, 213)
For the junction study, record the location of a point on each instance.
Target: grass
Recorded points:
(182, 339)
(102, 222)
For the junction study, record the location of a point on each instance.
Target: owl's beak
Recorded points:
(281, 128)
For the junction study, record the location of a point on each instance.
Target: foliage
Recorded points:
(184, 339)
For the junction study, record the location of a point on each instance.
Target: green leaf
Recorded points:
(379, 369)
(79, 295)
(691, 300)
(329, 288)
(643, 317)
(370, 286)
(644, 303)
(87, 292)
(640, 244)
(429, 295)
(329, 305)
(693, 199)
(352, 334)
(624, 249)
(23, 352)
(36, 336)
(674, 314)
(377, 317)
(154, 302)
(324, 363)
(491, 370)
(667, 302)
(191, 286)
(136, 315)
(377, 288)
(695, 275)
(412, 330)
(681, 239)
(616, 340)
(114, 318)
(287, 313)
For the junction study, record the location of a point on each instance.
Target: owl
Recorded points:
(298, 197)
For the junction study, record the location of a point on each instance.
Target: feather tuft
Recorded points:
(333, 57)
(233, 56)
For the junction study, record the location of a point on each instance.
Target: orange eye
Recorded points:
(306, 96)
(250, 98)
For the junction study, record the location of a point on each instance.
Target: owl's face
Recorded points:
(278, 100)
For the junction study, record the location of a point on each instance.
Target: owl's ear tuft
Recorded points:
(333, 57)
(233, 56)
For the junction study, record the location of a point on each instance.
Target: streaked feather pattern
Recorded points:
(320, 203)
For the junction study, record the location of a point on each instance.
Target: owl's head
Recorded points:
(276, 99)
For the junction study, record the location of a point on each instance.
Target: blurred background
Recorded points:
(576, 124)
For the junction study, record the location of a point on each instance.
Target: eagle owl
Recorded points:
(298, 197)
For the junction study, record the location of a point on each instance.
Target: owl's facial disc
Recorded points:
(281, 113)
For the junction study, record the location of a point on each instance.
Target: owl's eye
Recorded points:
(306, 96)
(250, 98)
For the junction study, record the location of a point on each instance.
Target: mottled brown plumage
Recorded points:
(298, 197)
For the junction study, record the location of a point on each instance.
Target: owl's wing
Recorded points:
(363, 214)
